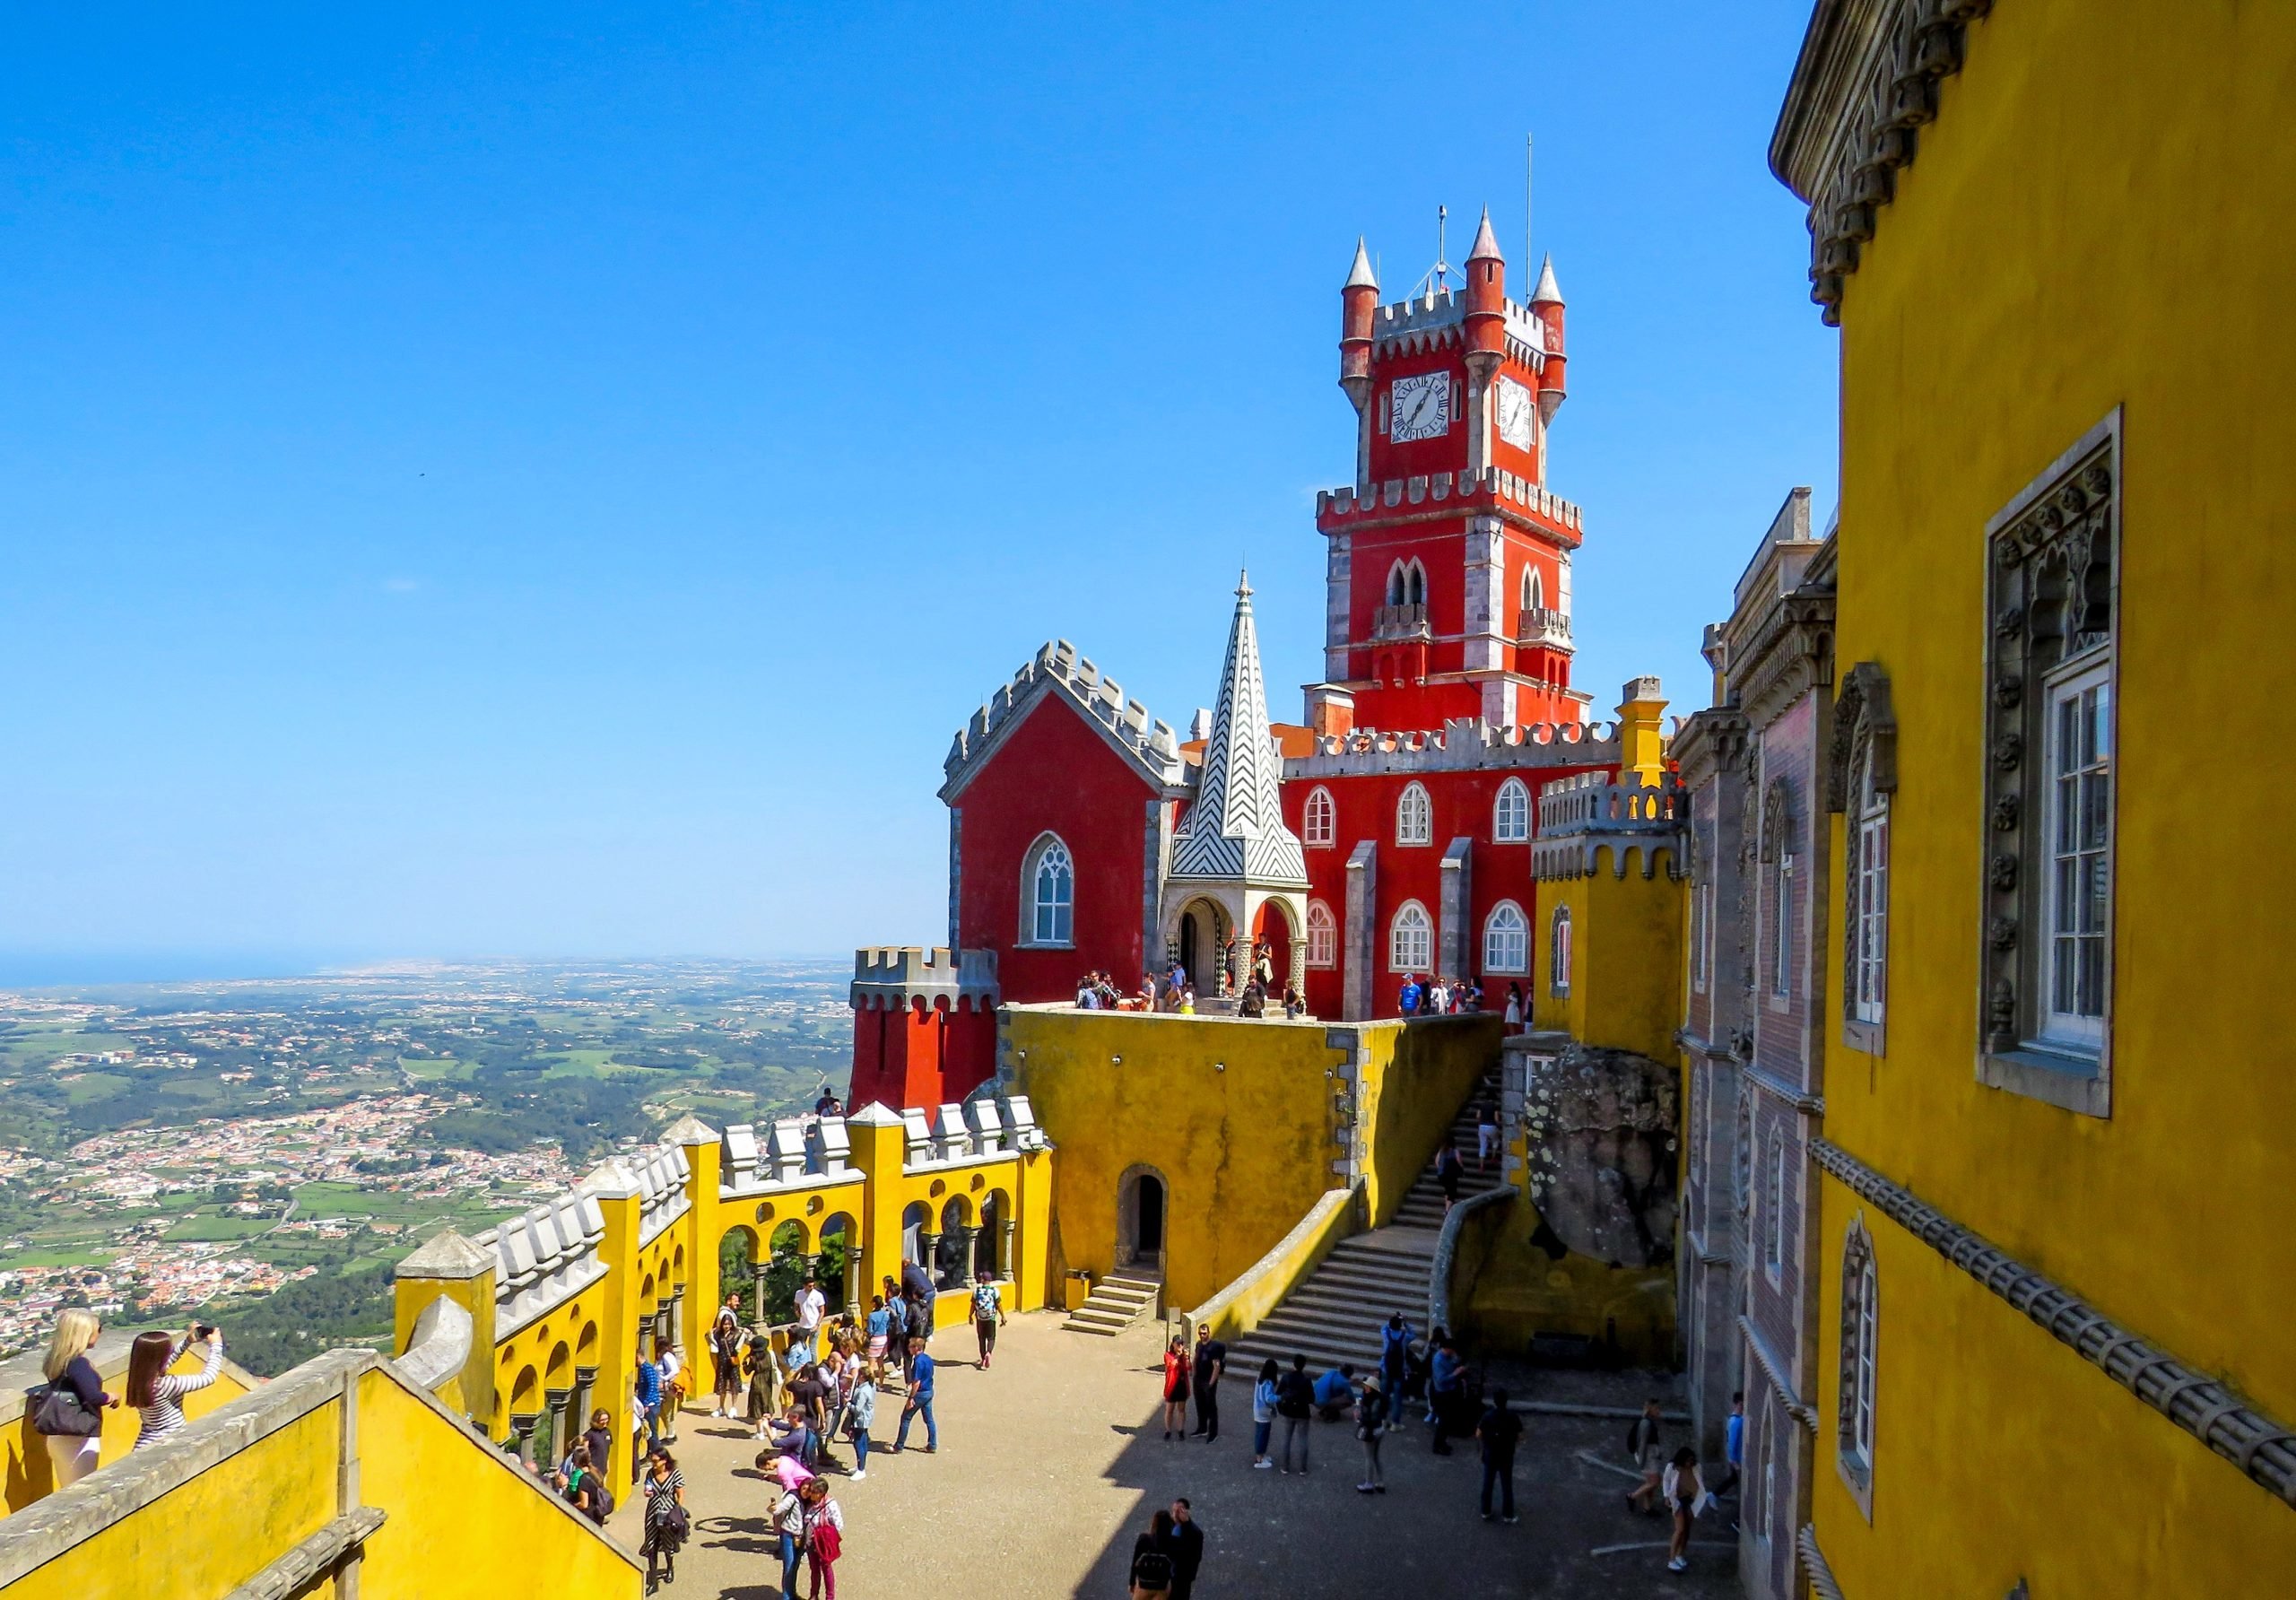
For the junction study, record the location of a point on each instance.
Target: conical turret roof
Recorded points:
(1361, 275)
(1235, 829)
(1548, 292)
(1486, 243)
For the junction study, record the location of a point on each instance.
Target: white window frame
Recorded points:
(1870, 875)
(1410, 923)
(1514, 960)
(1869, 1366)
(1773, 1228)
(1510, 813)
(1781, 929)
(1033, 906)
(1323, 936)
(1557, 934)
(1414, 815)
(2077, 1031)
(1318, 819)
(1858, 1367)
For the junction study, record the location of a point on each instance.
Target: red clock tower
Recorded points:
(1448, 577)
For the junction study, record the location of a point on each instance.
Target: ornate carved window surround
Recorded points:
(2052, 611)
(1861, 782)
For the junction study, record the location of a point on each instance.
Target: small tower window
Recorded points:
(1534, 590)
(1318, 822)
(1414, 816)
(1558, 958)
(1323, 936)
(1510, 813)
(1051, 884)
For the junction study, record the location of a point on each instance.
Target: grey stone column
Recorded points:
(967, 1234)
(1361, 946)
(929, 1248)
(586, 1400)
(1004, 1250)
(556, 1401)
(677, 1315)
(522, 1434)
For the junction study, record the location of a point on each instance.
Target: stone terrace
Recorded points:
(1051, 1462)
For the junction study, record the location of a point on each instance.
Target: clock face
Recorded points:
(1515, 411)
(1420, 407)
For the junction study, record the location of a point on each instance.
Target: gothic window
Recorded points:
(1049, 881)
(1860, 1323)
(1702, 911)
(1414, 816)
(1507, 939)
(1861, 777)
(1323, 936)
(1773, 1224)
(1411, 939)
(1318, 822)
(1777, 856)
(1559, 952)
(1399, 584)
(1510, 813)
(2052, 604)
(1534, 590)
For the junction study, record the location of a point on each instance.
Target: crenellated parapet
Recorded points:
(1338, 509)
(1438, 321)
(1462, 745)
(1580, 816)
(1057, 668)
(898, 976)
(543, 1258)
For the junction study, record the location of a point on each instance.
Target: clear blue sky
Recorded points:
(551, 481)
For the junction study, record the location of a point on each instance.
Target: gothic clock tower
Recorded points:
(1449, 586)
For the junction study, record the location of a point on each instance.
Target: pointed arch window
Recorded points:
(1323, 936)
(1049, 894)
(1411, 939)
(1414, 815)
(1534, 590)
(1506, 940)
(1415, 585)
(1510, 813)
(1860, 1328)
(1318, 822)
(1773, 1224)
(1558, 956)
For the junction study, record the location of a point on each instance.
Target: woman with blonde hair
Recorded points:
(70, 1372)
(156, 1392)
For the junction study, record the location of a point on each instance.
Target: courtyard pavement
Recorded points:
(1051, 1461)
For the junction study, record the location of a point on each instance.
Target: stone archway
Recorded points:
(1201, 934)
(1272, 927)
(1143, 1213)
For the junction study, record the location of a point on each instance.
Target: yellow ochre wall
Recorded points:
(2097, 219)
(1411, 1080)
(1515, 1287)
(1626, 961)
(203, 1538)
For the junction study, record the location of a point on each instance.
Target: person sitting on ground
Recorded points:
(1088, 997)
(1336, 1392)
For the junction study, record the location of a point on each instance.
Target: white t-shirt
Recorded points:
(810, 1303)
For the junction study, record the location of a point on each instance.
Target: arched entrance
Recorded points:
(1205, 928)
(1140, 1198)
(1272, 929)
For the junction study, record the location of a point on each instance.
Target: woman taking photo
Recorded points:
(1176, 1366)
(69, 1371)
(157, 1393)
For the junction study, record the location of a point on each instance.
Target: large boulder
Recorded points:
(1602, 1127)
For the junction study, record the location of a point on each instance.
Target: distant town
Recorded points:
(199, 1147)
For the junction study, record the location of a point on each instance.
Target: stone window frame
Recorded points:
(1039, 851)
(1518, 814)
(1861, 788)
(1323, 937)
(1702, 908)
(1415, 823)
(1857, 1374)
(1319, 819)
(1779, 949)
(1521, 930)
(1557, 953)
(1773, 1222)
(1425, 960)
(2052, 612)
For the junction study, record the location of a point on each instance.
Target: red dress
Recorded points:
(1175, 1376)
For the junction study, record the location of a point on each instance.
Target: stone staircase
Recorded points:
(1336, 1313)
(1116, 1302)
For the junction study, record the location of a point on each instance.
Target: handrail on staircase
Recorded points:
(1447, 1249)
(1245, 1303)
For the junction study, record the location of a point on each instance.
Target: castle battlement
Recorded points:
(1057, 667)
(892, 977)
(1335, 506)
(1462, 745)
(1438, 320)
(1582, 814)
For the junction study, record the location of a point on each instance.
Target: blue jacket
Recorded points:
(649, 1383)
(1446, 1370)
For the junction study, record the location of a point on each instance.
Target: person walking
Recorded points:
(1407, 998)
(861, 1415)
(666, 1524)
(1395, 1365)
(1176, 1372)
(988, 1316)
(824, 1539)
(1443, 1387)
(726, 1359)
(1486, 1134)
(1685, 1495)
(1499, 1432)
(920, 1400)
(789, 1538)
(671, 1357)
(1646, 1450)
(1295, 1395)
(810, 1304)
(1151, 1573)
(70, 1416)
(1205, 1373)
(156, 1393)
(1734, 1443)
(1187, 1545)
(1370, 1422)
(765, 1381)
(1448, 1170)
(1262, 1412)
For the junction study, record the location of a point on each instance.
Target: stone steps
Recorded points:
(1116, 1302)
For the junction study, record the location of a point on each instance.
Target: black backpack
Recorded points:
(1295, 1393)
(1152, 1569)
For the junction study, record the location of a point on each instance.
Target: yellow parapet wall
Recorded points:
(23, 1456)
(1240, 1307)
(1411, 1079)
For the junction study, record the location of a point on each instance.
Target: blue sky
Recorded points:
(551, 481)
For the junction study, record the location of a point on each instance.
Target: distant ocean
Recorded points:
(45, 968)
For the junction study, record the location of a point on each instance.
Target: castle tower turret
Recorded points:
(1546, 305)
(1486, 337)
(1358, 299)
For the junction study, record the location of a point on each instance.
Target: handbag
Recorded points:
(57, 1413)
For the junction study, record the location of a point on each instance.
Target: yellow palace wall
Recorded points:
(2098, 218)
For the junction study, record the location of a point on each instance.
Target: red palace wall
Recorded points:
(1054, 773)
(921, 1055)
(1461, 804)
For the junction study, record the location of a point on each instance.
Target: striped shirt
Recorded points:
(662, 1493)
(163, 1417)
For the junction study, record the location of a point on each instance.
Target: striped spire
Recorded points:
(1235, 828)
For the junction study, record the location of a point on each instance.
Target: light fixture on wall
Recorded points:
(1115, 1061)
(1219, 1066)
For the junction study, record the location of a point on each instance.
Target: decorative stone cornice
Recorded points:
(1866, 80)
(2212, 1411)
(1711, 742)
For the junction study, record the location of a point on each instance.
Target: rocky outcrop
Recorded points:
(1602, 1131)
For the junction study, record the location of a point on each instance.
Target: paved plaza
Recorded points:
(1051, 1461)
